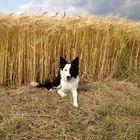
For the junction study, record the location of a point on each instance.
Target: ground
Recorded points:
(107, 111)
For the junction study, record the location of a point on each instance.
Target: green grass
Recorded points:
(130, 107)
(98, 86)
(12, 127)
(105, 109)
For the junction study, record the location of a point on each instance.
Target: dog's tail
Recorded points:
(49, 85)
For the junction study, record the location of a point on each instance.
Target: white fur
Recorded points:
(34, 84)
(71, 85)
(65, 72)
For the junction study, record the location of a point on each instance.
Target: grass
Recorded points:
(11, 128)
(98, 86)
(130, 107)
(30, 47)
(106, 108)
(110, 112)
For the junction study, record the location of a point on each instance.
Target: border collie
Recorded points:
(67, 79)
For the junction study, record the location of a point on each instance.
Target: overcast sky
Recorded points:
(123, 8)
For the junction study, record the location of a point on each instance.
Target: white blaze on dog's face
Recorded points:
(65, 72)
(68, 71)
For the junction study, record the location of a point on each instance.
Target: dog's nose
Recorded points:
(68, 77)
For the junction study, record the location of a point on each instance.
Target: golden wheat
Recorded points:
(30, 47)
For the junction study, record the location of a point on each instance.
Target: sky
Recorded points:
(123, 8)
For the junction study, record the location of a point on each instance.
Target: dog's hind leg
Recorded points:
(74, 95)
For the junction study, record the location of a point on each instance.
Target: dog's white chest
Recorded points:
(70, 85)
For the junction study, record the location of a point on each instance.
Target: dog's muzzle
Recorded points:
(68, 78)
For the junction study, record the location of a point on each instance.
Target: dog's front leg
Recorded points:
(61, 92)
(74, 94)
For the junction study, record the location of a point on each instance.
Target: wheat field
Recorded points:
(30, 47)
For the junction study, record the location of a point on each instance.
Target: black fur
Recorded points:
(63, 62)
(49, 85)
(56, 81)
(74, 70)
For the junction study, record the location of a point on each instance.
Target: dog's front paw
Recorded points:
(75, 104)
(62, 94)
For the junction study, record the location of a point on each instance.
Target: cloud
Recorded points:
(123, 8)
(131, 9)
(71, 7)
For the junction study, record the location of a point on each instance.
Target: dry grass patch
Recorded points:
(109, 112)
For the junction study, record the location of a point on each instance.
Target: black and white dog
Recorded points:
(67, 79)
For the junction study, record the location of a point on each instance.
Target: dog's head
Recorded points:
(69, 70)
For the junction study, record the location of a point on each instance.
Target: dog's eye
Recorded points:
(65, 69)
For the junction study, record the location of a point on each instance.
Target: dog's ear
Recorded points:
(75, 62)
(63, 62)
